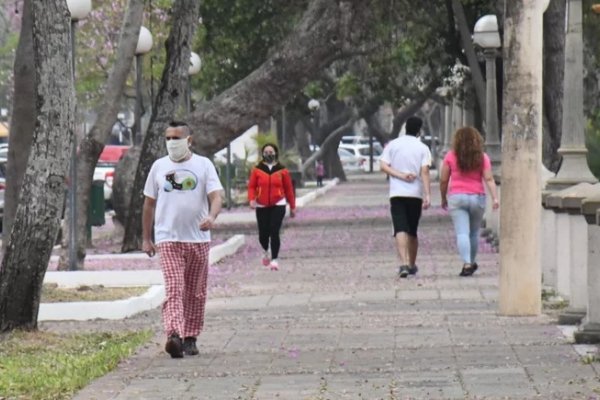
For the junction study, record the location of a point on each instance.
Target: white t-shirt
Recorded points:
(181, 191)
(406, 154)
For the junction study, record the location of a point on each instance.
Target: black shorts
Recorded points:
(406, 213)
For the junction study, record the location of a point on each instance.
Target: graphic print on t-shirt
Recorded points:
(181, 179)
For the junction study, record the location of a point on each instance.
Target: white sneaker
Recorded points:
(274, 265)
(266, 259)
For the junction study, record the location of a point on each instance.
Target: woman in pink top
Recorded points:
(465, 168)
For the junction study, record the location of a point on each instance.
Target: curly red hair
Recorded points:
(467, 144)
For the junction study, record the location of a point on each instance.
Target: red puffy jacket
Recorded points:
(269, 186)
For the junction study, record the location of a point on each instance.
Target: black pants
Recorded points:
(319, 181)
(269, 224)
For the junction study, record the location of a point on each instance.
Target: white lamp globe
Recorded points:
(195, 64)
(313, 104)
(145, 43)
(486, 33)
(79, 9)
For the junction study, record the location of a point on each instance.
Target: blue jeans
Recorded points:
(467, 211)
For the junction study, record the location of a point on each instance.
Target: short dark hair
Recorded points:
(180, 124)
(413, 126)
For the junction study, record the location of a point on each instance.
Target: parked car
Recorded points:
(362, 152)
(105, 168)
(349, 161)
(355, 139)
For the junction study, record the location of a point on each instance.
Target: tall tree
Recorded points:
(554, 65)
(42, 195)
(168, 101)
(23, 118)
(93, 144)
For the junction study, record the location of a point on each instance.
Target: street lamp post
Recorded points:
(487, 37)
(314, 106)
(574, 168)
(79, 10)
(144, 45)
(194, 68)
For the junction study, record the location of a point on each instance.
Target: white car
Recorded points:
(355, 139)
(362, 152)
(349, 161)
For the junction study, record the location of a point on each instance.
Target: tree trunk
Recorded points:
(323, 35)
(38, 215)
(467, 42)
(23, 120)
(329, 145)
(93, 144)
(404, 113)
(170, 97)
(302, 141)
(375, 128)
(520, 261)
(554, 65)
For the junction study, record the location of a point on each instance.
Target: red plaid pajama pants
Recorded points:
(185, 271)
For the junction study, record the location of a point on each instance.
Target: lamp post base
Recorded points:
(589, 334)
(573, 170)
(571, 316)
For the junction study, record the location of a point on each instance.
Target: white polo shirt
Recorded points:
(406, 154)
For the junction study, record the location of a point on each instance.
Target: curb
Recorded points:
(119, 309)
(307, 198)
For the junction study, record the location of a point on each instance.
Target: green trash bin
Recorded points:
(97, 207)
(296, 180)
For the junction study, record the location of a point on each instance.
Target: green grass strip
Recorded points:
(47, 366)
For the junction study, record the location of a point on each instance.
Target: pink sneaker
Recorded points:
(274, 265)
(266, 260)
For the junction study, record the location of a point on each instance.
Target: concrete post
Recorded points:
(469, 117)
(549, 264)
(520, 263)
(590, 331)
(447, 135)
(492, 136)
(571, 253)
(456, 123)
(447, 125)
(574, 168)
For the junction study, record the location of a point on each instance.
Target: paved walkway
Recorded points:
(336, 323)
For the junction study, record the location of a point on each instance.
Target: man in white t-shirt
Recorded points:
(406, 160)
(183, 196)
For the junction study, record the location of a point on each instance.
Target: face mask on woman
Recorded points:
(177, 149)
(269, 158)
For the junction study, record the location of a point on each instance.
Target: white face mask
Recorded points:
(177, 149)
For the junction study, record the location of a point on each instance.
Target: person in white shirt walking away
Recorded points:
(406, 160)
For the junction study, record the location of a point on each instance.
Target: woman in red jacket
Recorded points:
(269, 191)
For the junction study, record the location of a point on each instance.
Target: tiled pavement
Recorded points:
(336, 323)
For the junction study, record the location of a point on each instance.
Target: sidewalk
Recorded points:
(336, 323)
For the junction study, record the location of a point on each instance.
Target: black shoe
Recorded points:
(189, 346)
(467, 269)
(403, 271)
(413, 270)
(174, 346)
